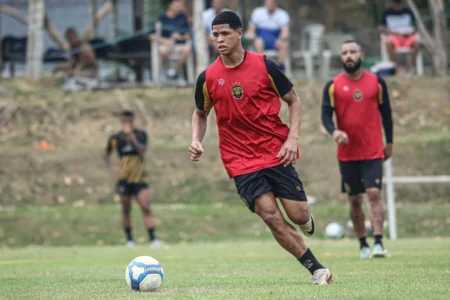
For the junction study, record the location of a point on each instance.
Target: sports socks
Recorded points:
(128, 233)
(378, 239)
(310, 262)
(363, 242)
(151, 234)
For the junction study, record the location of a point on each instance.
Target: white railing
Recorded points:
(389, 181)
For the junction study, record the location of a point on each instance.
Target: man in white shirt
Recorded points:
(269, 30)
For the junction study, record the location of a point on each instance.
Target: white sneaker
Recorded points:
(322, 277)
(130, 244)
(379, 251)
(364, 253)
(155, 243)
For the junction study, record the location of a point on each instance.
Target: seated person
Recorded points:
(82, 61)
(217, 6)
(269, 30)
(175, 36)
(399, 24)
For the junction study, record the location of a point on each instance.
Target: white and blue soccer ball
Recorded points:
(334, 230)
(144, 274)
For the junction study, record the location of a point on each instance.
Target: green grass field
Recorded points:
(418, 269)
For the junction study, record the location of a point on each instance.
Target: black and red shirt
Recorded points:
(246, 100)
(361, 107)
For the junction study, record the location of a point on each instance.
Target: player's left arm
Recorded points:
(384, 106)
(139, 140)
(284, 88)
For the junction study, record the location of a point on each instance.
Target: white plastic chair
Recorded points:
(385, 54)
(311, 47)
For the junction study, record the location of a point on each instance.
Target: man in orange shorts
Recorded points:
(399, 24)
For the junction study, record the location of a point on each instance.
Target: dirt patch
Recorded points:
(78, 125)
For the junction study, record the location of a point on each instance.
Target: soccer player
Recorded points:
(358, 99)
(257, 149)
(131, 144)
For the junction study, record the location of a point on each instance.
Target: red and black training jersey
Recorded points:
(359, 106)
(246, 100)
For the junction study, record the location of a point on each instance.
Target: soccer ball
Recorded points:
(334, 231)
(144, 273)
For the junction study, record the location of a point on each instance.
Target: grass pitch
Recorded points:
(418, 269)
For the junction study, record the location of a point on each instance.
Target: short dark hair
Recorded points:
(227, 17)
(127, 113)
(351, 42)
(398, 1)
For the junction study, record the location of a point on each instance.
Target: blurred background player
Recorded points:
(258, 150)
(358, 98)
(131, 144)
(399, 24)
(269, 30)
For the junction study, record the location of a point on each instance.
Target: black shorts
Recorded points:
(282, 181)
(357, 176)
(124, 188)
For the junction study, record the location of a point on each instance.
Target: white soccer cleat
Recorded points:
(155, 243)
(379, 251)
(322, 277)
(365, 253)
(309, 227)
(130, 244)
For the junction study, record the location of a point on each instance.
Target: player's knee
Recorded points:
(126, 210)
(146, 210)
(272, 219)
(356, 202)
(302, 216)
(374, 195)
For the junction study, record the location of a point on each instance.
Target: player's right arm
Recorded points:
(203, 105)
(109, 148)
(327, 114)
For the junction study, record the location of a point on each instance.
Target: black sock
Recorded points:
(363, 242)
(151, 234)
(128, 233)
(310, 262)
(378, 239)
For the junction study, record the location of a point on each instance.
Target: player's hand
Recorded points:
(195, 151)
(288, 152)
(387, 151)
(340, 137)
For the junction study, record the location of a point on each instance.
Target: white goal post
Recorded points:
(389, 181)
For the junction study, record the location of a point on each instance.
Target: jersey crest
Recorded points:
(237, 90)
(357, 95)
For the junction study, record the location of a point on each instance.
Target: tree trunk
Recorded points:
(436, 42)
(52, 30)
(92, 9)
(201, 46)
(114, 20)
(440, 35)
(35, 41)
